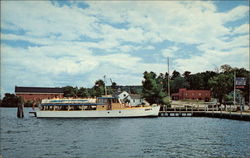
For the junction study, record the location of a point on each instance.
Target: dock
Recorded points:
(204, 112)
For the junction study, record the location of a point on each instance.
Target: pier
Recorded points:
(204, 112)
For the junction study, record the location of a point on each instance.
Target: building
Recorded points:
(34, 93)
(134, 99)
(192, 94)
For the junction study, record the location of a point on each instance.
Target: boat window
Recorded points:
(102, 100)
(115, 101)
(90, 107)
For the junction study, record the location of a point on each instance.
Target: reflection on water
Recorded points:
(135, 137)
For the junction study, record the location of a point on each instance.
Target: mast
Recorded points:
(105, 89)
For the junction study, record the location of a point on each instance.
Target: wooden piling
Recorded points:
(220, 110)
(20, 110)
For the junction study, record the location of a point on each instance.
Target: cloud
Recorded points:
(55, 21)
(187, 22)
(235, 14)
(242, 29)
(149, 47)
(237, 57)
(122, 39)
(48, 62)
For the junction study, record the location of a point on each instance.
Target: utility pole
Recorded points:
(168, 80)
(234, 85)
(249, 84)
(234, 91)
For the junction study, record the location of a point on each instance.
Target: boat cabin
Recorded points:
(102, 103)
(109, 103)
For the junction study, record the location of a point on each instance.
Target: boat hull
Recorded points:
(130, 112)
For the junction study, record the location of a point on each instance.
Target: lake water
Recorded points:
(131, 137)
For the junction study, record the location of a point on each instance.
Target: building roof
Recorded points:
(116, 94)
(38, 89)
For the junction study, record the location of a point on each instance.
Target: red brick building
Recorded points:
(192, 94)
(34, 93)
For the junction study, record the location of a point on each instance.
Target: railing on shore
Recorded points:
(229, 112)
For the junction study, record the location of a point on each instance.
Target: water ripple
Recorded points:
(135, 137)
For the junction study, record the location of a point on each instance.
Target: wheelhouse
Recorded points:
(107, 100)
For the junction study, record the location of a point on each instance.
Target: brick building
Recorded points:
(192, 94)
(34, 93)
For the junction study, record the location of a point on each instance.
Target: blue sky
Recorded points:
(59, 43)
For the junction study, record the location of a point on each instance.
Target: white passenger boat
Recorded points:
(85, 108)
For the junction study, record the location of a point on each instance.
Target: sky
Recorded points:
(60, 43)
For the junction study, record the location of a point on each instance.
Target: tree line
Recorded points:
(155, 88)
(96, 91)
(99, 89)
(221, 83)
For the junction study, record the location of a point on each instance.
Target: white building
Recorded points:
(132, 99)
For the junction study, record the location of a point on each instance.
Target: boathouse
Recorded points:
(34, 93)
(192, 94)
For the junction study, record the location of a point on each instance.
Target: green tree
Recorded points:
(177, 83)
(226, 68)
(186, 74)
(113, 88)
(221, 85)
(199, 81)
(9, 100)
(153, 88)
(99, 88)
(91, 92)
(195, 81)
(206, 76)
(83, 92)
(70, 91)
(175, 74)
